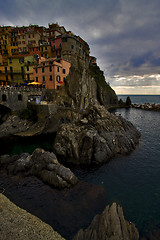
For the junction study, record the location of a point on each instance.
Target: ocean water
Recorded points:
(141, 98)
(133, 181)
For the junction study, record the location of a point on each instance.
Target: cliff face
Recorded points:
(86, 84)
(110, 225)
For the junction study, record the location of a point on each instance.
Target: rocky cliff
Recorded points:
(85, 84)
(110, 225)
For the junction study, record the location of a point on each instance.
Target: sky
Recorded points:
(124, 35)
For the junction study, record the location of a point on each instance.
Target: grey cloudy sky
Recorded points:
(124, 35)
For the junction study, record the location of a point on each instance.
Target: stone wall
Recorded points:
(17, 98)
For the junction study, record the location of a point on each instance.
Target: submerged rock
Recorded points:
(96, 140)
(110, 225)
(41, 164)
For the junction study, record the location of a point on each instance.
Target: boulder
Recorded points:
(41, 164)
(110, 225)
(96, 140)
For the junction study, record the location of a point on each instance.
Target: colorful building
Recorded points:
(57, 46)
(28, 39)
(92, 60)
(52, 72)
(20, 68)
(4, 75)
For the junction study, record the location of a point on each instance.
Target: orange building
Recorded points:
(51, 72)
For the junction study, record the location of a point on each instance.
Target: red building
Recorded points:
(57, 46)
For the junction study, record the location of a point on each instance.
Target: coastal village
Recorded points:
(39, 56)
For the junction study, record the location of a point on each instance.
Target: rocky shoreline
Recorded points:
(92, 137)
(147, 106)
(16, 223)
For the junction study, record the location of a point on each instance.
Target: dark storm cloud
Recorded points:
(123, 34)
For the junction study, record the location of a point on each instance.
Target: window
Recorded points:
(22, 69)
(36, 70)
(10, 60)
(60, 45)
(36, 79)
(50, 68)
(28, 77)
(42, 69)
(43, 63)
(50, 77)
(6, 77)
(4, 98)
(27, 68)
(11, 69)
(43, 78)
(57, 69)
(11, 77)
(64, 71)
(21, 60)
(5, 69)
(72, 47)
(58, 78)
(19, 97)
(45, 48)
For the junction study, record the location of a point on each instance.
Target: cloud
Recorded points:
(123, 34)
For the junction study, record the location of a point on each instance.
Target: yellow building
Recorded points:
(5, 40)
(14, 41)
(4, 75)
(46, 50)
(20, 68)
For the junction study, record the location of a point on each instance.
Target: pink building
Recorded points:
(51, 72)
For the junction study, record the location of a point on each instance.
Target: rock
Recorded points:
(46, 166)
(95, 142)
(23, 164)
(110, 225)
(41, 164)
(128, 101)
(16, 223)
(7, 159)
(12, 125)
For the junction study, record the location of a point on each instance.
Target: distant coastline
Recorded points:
(141, 99)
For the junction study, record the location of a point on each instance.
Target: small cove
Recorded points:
(132, 181)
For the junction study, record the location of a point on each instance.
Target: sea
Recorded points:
(133, 181)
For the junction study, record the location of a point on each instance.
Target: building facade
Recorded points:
(51, 73)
